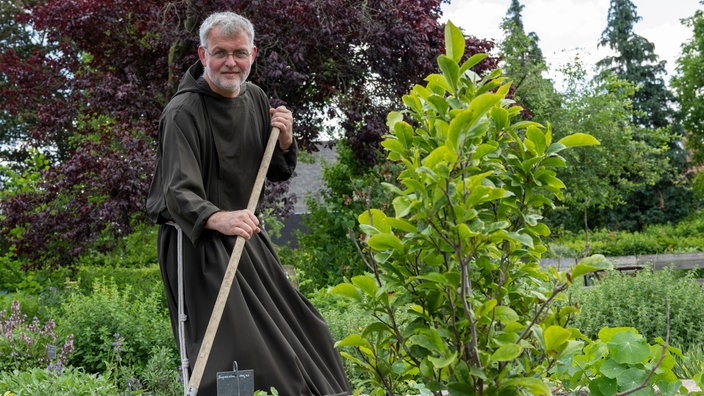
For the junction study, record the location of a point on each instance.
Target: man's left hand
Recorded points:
(282, 118)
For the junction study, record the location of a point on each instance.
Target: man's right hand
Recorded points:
(239, 222)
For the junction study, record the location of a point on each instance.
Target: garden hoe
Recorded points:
(229, 383)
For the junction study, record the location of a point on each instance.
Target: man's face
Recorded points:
(227, 61)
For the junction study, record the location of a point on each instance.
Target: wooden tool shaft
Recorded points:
(229, 276)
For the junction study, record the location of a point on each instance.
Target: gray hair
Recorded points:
(230, 24)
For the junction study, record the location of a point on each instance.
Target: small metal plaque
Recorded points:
(51, 352)
(236, 383)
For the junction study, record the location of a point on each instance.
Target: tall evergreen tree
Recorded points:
(524, 63)
(634, 60)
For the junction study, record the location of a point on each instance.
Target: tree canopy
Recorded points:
(85, 101)
(689, 85)
(635, 60)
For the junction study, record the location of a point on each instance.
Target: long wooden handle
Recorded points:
(229, 277)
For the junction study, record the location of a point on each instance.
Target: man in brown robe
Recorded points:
(212, 136)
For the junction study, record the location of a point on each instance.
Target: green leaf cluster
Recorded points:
(459, 299)
(621, 360)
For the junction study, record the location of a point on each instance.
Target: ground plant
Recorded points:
(27, 343)
(459, 300)
(638, 300)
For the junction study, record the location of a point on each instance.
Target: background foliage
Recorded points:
(88, 92)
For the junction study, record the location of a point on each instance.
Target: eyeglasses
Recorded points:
(222, 54)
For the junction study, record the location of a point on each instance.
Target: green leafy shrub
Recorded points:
(343, 318)
(685, 236)
(135, 250)
(39, 381)
(459, 300)
(146, 279)
(638, 301)
(138, 319)
(327, 251)
(621, 360)
(161, 375)
(25, 344)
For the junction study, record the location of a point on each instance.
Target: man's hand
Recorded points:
(239, 222)
(282, 118)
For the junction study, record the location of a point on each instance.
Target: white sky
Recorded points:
(570, 27)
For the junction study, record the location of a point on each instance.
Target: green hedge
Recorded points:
(683, 237)
(639, 300)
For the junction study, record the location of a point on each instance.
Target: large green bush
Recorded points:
(110, 315)
(459, 300)
(639, 300)
(682, 237)
(327, 253)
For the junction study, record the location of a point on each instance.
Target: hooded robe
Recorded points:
(210, 150)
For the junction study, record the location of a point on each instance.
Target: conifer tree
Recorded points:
(524, 63)
(634, 60)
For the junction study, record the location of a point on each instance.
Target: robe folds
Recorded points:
(210, 149)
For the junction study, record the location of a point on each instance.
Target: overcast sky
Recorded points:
(570, 27)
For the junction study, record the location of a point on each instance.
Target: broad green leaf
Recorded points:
(450, 70)
(536, 136)
(553, 161)
(603, 387)
(500, 117)
(483, 149)
(555, 337)
(374, 218)
(506, 353)
(437, 80)
(443, 361)
(354, 340)
(669, 388)
(593, 263)
(505, 314)
(430, 340)
(454, 42)
(552, 181)
(607, 333)
(440, 154)
(385, 241)
(412, 102)
(393, 145)
(366, 284)
(346, 290)
(628, 347)
(404, 133)
(439, 104)
(611, 368)
(578, 139)
(434, 277)
(534, 386)
(402, 206)
(466, 118)
(401, 224)
(472, 61)
(485, 308)
(632, 378)
(393, 118)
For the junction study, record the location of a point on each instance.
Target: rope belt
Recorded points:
(181, 314)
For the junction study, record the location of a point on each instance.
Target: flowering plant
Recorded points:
(25, 345)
